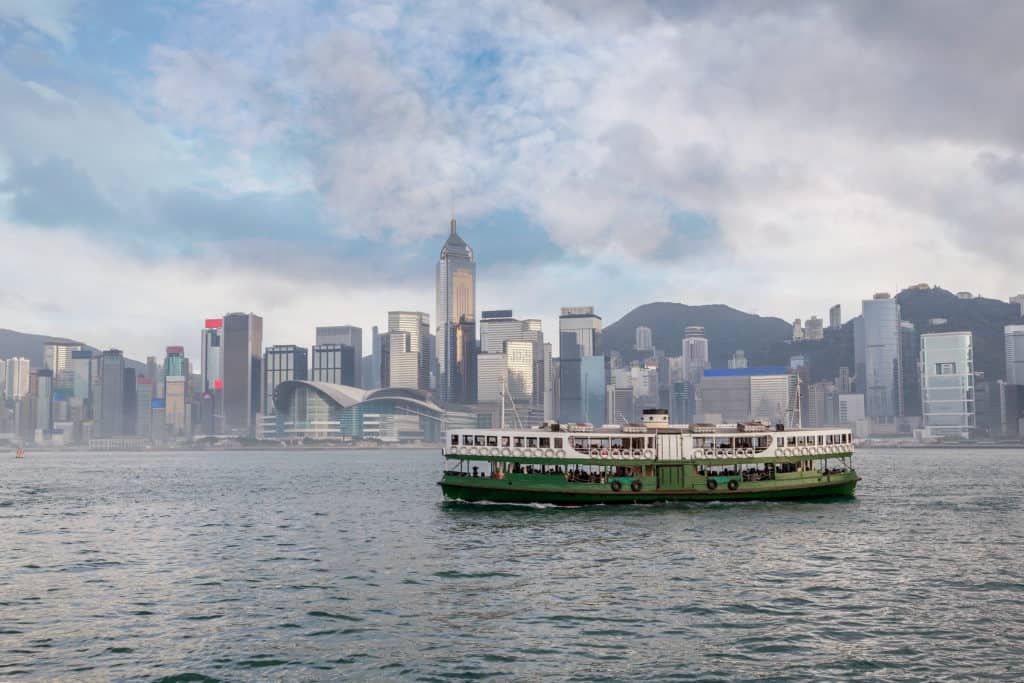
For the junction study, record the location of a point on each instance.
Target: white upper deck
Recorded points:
(640, 442)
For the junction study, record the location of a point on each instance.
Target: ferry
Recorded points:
(652, 462)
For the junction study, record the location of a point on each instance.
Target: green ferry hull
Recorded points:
(473, 490)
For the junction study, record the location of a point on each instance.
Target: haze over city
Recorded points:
(302, 159)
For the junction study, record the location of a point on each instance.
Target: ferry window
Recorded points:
(505, 441)
(531, 442)
(492, 441)
(650, 442)
(558, 442)
(455, 439)
(617, 442)
(545, 442)
(792, 441)
(481, 441)
(821, 440)
(517, 441)
(467, 440)
(579, 444)
(638, 442)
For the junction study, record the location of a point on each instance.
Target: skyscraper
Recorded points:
(1019, 300)
(409, 349)
(456, 303)
(3, 379)
(211, 350)
(175, 363)
(947, 384)
(879, 345)
(57, 355)
(144, 406)
(695, 354)
(814, 330)
(582, 375)
(835, 317)
(17, 377)
(282, 363)
(333, 364)
(1013, 336)
(111, 390)
(44, 401)
(242, 343)
(347, 335)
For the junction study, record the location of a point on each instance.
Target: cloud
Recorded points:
(773, 156)
(54, 192)
(52, 18)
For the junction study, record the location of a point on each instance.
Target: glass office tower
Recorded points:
(456, 304)
(947, 384)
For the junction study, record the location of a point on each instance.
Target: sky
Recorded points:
(165, 162)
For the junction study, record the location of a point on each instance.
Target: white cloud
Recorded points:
(52, 18)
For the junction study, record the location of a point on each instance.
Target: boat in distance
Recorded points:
(652, 462)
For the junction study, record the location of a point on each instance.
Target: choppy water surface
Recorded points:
(325, 565)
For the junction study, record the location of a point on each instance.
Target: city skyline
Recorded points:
(556, 155)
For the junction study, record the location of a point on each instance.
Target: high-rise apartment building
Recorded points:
(3, 379)
(835, 317)
(242, 344)
(57, 355)
(1013, 337)
(456, 304)
(111, 394)
(282, 363)
(798, 330)
(644, 339)
(350, 336)
(947, 384)
(878, 343)
(409, 349)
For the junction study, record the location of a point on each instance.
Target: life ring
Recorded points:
(594, 452)
(729, 452)
(518, 452)
(698, 452)
(494, 452)
(712, 484)
(616, 453)
(636, 485)
(505, 452)
(637, 453)
(549, 453)
(604, 452)
(649, 453)
(749, 451)
(528, 453)
(733, 484)
(560, 454)
(616, 485)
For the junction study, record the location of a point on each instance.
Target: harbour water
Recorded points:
(319, 565)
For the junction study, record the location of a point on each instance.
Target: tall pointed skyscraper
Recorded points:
(456, 320)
